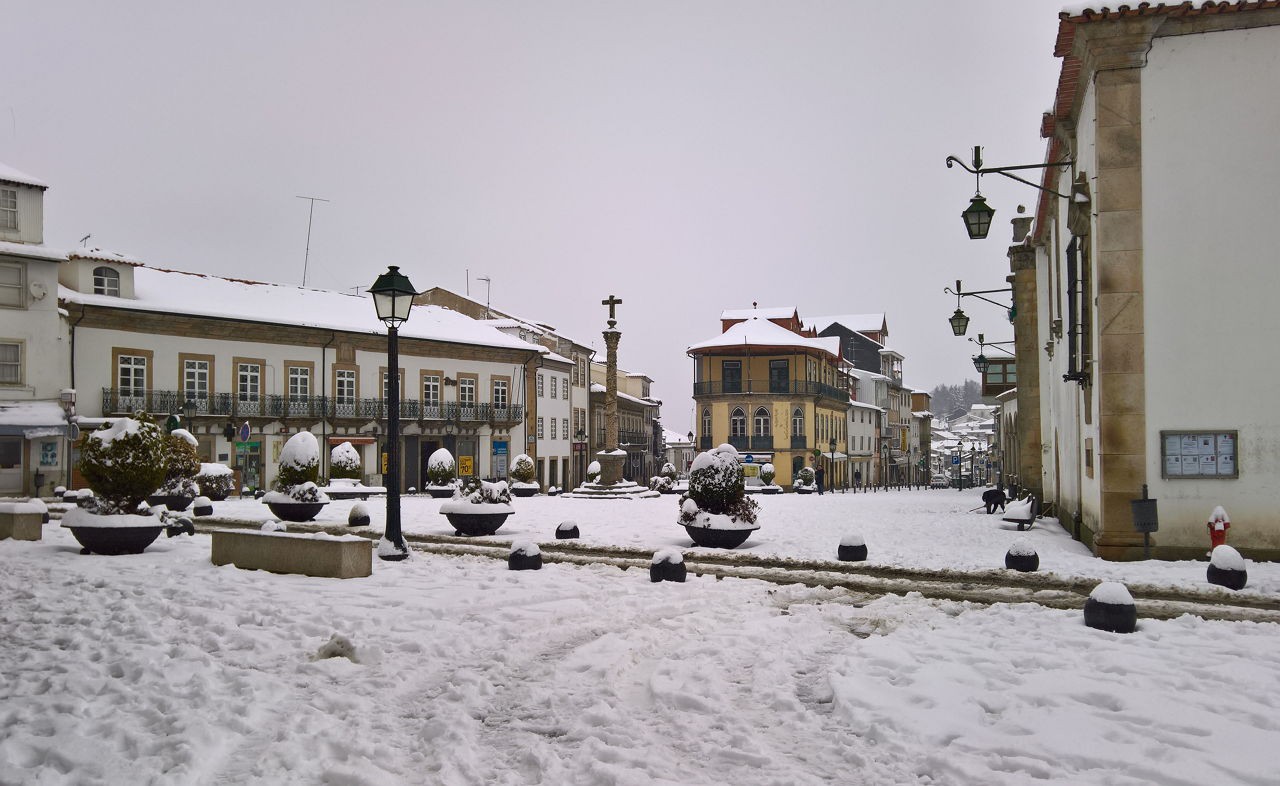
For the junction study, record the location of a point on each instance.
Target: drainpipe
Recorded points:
(324, 414)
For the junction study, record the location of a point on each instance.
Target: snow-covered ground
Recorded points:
(162, 668)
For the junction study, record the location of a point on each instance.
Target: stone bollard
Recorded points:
(1110, 607)
(525, 555)
(853, 548)
(202, 506)
(568, 530)
(1022, 557)
(667, 565)
(1227, 568)
(359, 516)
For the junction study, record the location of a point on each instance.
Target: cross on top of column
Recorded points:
(611, 302)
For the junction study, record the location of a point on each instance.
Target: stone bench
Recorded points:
(20, 521)
(320, 554)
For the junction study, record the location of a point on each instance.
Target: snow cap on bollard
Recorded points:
(567, 530)
(1110, 607)
(202, 506)
(358, 516)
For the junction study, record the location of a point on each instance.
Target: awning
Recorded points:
(353, 440)
(32, 419)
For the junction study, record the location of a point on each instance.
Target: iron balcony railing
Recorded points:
(798, 443)
(124, 401)
(792, 387)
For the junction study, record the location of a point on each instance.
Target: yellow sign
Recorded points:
(465, 466)
(751, 470)
(384, 463)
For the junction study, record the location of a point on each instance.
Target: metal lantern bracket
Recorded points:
(983, 344)
(977, 170)
(978, 293)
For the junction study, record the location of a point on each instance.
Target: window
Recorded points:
(540, 384)
(431, 390)
(500, 398)
(8, 208)
(387, 378)
(706, 423)
(553, 428)
(553, 387)
(299, 382)
(195, 380)
(582, 371)
(760, 424)
(248, 382)
(344, 388)
(12, 286)
(737, 423)
(540, 420)
(132, 375)
(10, 363)
(564, 388)
(467, 391)
(731, 373)
(106, 282)
(778, 376)
(797, 422)
(564, 424)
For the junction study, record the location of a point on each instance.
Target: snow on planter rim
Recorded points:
(463, 506)
(1225, 557)
(441, 458)
(706, 520)
(1022, 548)
(674, 556)
(302, 449)
(79, 517)
(1112, 593)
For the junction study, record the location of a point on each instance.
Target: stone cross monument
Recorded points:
(611, 458)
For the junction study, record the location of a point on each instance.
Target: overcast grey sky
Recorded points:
(686, 156)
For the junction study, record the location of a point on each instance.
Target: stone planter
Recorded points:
(855, 553)
(1026, 563)
(524, 491)
(771, 490)
(440, 492)
(1114, 617)
(174, 502)
(203, 510)
(113, 541)
(296, 511)
(805, 490)
(1231, 579)
(718, 538)
(472, 525)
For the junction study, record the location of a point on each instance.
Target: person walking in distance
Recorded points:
(819, 475)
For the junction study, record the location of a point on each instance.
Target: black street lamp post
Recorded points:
(393, 297)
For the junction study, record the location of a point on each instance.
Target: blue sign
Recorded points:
(749, 459)
(499, 447)
(955, 460)
(243, 434)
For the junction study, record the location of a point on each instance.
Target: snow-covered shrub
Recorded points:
(593, 472)
(181, 464)
(662, 482)
(668, 471)
(482, 492)
(299, 461)
(344, 462)
(805, 478)
(523, 469)
(216, 481)
(767, 474)
(124, 463)
(306, 492)
(440, 468)
(716, 486)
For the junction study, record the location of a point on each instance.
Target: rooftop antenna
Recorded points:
(487, 282)
(310, 212)
(84, 240)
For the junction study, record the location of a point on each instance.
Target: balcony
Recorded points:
(704, 442)
(794, 387)
(798, 443)
(632, 438)
(762, 443)
(741, 443)
(230, 405)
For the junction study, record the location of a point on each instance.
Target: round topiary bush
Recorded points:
(440, 468)
(805, 480)
(767, 474)
(523, 470)
(299, 461)
(593, 472)
(216, 481)
(182, 465)
(716, 511)
(344, 462)
(124, 463)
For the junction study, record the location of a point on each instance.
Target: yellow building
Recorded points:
(776, 394)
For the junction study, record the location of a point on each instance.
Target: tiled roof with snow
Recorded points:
(11, 175)
(859, 323)
(778, 312)
(195, 294)
(104, 256)
(32, 250)
(760, 332)
(596, 387)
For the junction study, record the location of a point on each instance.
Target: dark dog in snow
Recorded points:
(993, 497)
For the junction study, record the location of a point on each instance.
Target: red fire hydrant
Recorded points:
(1218, 525)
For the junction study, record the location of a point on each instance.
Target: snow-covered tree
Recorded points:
(299, 461)
(716, 486)
(123, 462)
(523, 469)
(440, 468)
(344, 462)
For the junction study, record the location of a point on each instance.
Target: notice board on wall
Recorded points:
(1199, 455)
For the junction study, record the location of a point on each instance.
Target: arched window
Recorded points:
(706, 424)
(797, 422)
(737, 423)
(761, 423)
(106, 282)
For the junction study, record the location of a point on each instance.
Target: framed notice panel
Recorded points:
(1199, 454)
